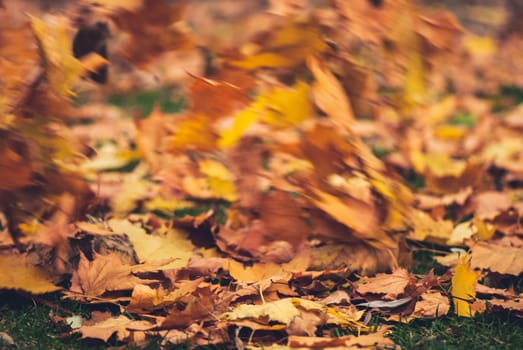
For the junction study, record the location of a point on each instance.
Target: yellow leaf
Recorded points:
(241, 122)
(484, 231)
(289, 46)
(135, 187)
(221, 181)
(414, 89)
(282, 311)
(286, 107)
(18, 273)
(427, 229)
(450, 132)
(278, 107)
(62, 68)
(168, 205)
(255, 273)
(463, 288)
(194, 131)
(461, 232)
(155, 247)
(479, 45)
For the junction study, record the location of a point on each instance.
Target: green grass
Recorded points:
(481, 332)
(27, 322)
(143, 102)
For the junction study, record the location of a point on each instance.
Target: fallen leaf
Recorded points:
(156, 248)
(19, 273)
(104, 273)
(497, 258)
(282, 311)
(105, 329)
(431, 304)
(463, 288)
(391, 285)
(515, 305)
(377, 339)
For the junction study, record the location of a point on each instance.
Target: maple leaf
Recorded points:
(145, 298)
(392, 285)
(220, 180)
(104, 329)
(464, 287)
(104, 273)
(282, 311)
(432, 304)
(200, 304)
(171, 246)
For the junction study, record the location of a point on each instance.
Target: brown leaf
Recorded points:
(362, 218)
(154, 27)
(330, 97)
(497, 258)
(145, 298)
(511, 304)
(200, 305)
(104, 329)
(353, 256)
(432, 304)
(391, 285)
(377, 339)
(104, 273)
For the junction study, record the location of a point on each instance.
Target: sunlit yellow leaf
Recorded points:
(464, 287)
(221, 181)
(414, 89)
(484, 230)
(479, 45)
(450, 132)
(278, 107)
(194, 132)
(461, 232)
(62, 68)
(286, 107)
(241, 122)
(282, 311)
(135, 187)
(425, 228)
(173, 245)
(18, 273)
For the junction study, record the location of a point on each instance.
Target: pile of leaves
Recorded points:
(315, 148)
